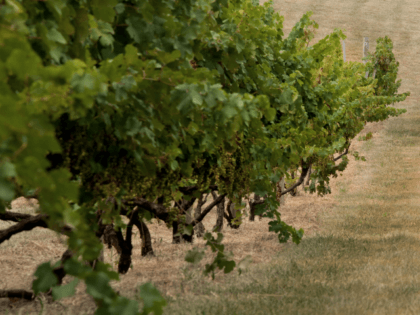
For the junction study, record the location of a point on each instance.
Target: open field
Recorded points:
(360, 253)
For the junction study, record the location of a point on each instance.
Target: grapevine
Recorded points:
(138, 108)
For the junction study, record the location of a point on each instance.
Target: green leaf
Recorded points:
(152, 299)
(7, 169)
(174, 165)
(229, 265)
(193, 128)
(7, 190)
(23, 63)
(15, 5)
(131, 54)
(82, 82)
(240, 45)
(97, 285)
(187, 230)
(45, 278)
(166, 58)
(270, 113)
(196, 97)
(135, 27)
(66, 290)
(120, 305)
(229, 111)
(194, 256)
(120, 8)
(104, 9)
(133, 126)
(75, 268)
(55, 36)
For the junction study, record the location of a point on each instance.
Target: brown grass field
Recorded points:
(361, 249)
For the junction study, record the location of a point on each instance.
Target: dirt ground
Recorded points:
(20, 256)
(373, 201)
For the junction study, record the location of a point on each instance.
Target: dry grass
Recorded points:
(360, 250)
(167, 270)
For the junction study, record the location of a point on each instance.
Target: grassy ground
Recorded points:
(360, 253)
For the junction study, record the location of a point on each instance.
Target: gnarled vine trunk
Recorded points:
(218, 227)
(252, 206)
(110, 238)
(308, 179)
(185, 207)
(280, 187)
(230, 215)
(199, 228)
(293, 192)
(146, 239)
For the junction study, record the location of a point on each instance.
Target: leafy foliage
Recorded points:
(221, 260)
(145, 98)
(153, 301)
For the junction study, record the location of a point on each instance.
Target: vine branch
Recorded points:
(208, 209)
(26, 224)
(299, 182)
(23, 294)
(343, 154)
